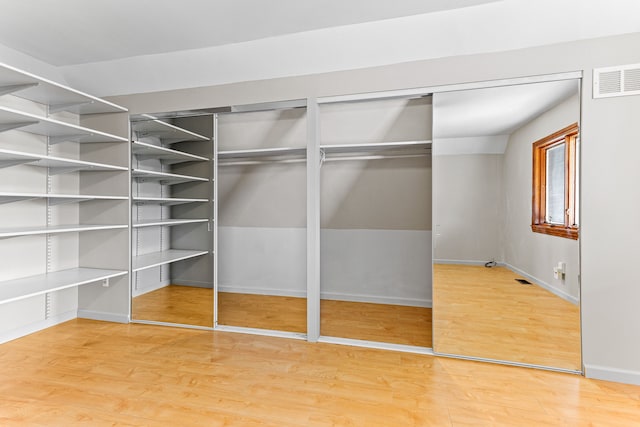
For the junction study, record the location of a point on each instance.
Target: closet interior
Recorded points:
(64, 196)
(173, 215)
(375, 237)
(262, 242)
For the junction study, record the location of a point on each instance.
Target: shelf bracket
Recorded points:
(64, 138)
(4, 90)
(105, 283)
(8, 126)
(63, 170)
(15, 162)
(11, 199)
(65, 106)
(57, 202)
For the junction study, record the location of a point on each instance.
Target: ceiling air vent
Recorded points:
(616, 81)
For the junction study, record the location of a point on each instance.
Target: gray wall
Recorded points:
(611, 319)
(467, 205)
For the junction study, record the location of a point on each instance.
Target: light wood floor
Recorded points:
(484, 312)
(175, 304)
(104, 374)
(374, 322)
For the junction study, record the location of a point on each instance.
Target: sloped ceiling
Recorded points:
(117, 47)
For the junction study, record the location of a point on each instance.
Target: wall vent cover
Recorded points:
(616, 81)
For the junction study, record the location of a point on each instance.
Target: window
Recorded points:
(555, 184)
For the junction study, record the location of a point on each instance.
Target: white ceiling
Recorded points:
(67, 32)
(118, 47)
(495, 111)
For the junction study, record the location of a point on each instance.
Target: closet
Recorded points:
(64, 197)
(173, 217)
(262, 242)
(375, 219)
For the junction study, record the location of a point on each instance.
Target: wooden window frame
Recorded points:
(569, 137)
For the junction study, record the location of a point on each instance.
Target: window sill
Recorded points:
(555, 230)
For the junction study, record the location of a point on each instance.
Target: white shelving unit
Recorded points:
(54, 95)
(163, 177)
(58, 165)
(56, 229)
(167, 156)
(54, 199)
(56, 130)
(173, 189)
(14, 290)
(64, 215)
(165, 201)
(167, 222)
(158, 259)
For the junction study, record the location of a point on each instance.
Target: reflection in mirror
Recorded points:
(172, 214)
(504, 288)
(262, 241)
(375, 216)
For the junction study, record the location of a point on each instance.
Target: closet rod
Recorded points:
(258, 162)
(325, 158)
(329, 158)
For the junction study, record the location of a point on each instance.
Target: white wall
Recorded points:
(611, 319)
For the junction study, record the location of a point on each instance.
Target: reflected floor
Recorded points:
(373, 322)
(186, 305)
(484, 312)
(364, 321)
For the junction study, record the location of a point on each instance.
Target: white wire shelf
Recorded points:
(56, 130)
(54, 199)
(168, 222)
(147, 125)
(17, 289)
(156, 259)
(163, 177)
(58, 165)
(143, 151)
(56, 229)
(58, 97)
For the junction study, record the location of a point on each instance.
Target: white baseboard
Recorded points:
(37, 326)
(330, 296)
(194, 283)
(558, 292)
(607, 373)
(262, 291)
(100, 315)
(376, 299)
(465, 262)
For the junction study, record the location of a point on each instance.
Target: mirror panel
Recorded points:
(172, 215)
(262, 235)
(501, 291)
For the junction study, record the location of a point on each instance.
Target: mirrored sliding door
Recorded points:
(506, 223)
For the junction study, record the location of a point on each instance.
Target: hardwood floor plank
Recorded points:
(97, 373)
